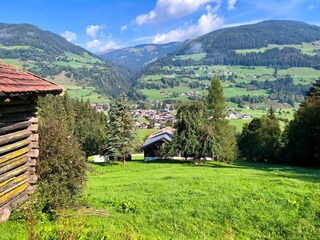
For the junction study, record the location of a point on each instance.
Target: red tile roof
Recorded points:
(16, 81)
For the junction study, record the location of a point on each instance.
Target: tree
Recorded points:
(260, 139)
(120, 130)
(224, 134)
(202, 130)
(303, 133)
(187, 140)
(61, 164)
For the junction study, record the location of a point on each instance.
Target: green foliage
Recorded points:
(120, 131)
(68, 129)
(303, 133)
(61, 165)
(202, 130)
(260, 139)
(85, 123)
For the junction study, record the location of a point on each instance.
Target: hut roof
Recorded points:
(16, 81)
(150, 141)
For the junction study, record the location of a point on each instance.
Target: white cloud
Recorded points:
(94, 43)
(110, 44)
(206, 23)
(92, 30)
(231, 4)
(69, 36)
(168, 9)
(145, 18)
(123, 28)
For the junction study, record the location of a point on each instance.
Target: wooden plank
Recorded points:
(13, 155)
(24, 108)
(14, 173)
(14, 146)
(14, 164)
(14, 193)
(14, 127)
(14, 137)
(15, 117)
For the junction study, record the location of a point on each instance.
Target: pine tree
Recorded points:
(120, 132)
(303, 133)
(224, 140)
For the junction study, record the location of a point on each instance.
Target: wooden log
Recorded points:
(32, 162)
(33, 153)
(14, 137)
(14, 159)
(34, 145)
(33, 179)
(5, 214)
(14, 146)
(34, 120)
(10, 189)
(34, 138)
(33, 128)
(14, 173)
(13, 155)
(15, 117)
(12, 194)
(17, 100)
(15, 201)
(14, 163)
(32, 170)
(14, 182)
(24, 108)
(15, 126)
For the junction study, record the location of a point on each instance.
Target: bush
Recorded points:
(61, 165)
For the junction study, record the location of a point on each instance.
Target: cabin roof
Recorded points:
(150, 141)
(16, 81)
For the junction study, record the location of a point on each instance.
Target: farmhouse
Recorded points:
(152, 146)
(19, 147)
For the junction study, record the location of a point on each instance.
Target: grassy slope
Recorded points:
(209, 201)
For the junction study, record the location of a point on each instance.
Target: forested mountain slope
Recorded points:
(50, 55)
(137, 57)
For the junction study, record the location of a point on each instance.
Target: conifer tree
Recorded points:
(223, 133)
(120, 129)
(303, 133)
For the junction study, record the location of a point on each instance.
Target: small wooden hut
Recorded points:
(152, 146)
(19, 147)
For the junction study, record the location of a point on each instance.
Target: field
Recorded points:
(306, 48)
(177, 200)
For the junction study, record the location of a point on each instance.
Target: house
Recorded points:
(152, 146)
(19, 146)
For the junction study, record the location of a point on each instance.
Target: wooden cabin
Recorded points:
(152, 146)
(19, 147)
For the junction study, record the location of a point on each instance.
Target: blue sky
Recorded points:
(99, 25)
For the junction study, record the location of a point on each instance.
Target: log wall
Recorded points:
(19, 149)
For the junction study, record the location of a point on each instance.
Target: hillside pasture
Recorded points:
(179, 200)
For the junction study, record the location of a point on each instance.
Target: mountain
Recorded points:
(135, 58)
(50, 55)
(268, 61)
(251, 36)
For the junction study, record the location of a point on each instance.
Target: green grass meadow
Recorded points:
(179, 200)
